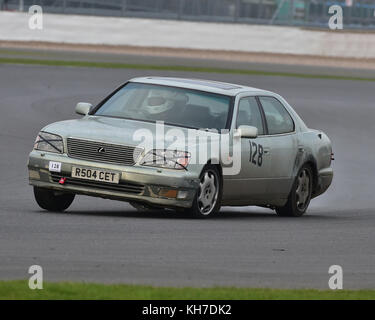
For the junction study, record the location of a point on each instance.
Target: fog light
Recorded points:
(34, 175)
(168, 193)
(182, 194)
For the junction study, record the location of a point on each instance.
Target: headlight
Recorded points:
(49, 142)
(166, 159)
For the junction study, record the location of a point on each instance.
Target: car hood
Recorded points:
(118, 131)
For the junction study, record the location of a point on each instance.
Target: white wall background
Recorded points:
(182, 34)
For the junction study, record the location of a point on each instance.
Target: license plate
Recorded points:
(54, 166)
(95, 174)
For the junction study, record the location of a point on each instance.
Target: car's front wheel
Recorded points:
(52, 201)
(208, 197)
(300, 196)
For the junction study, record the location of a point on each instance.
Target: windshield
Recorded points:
(177, 106)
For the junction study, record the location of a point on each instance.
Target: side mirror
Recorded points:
(246, 132)
(83, 108)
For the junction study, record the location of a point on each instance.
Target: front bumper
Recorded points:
(137, 183)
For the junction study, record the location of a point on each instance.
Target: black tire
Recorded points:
(49, 200)
(300, 195)
(198, 210)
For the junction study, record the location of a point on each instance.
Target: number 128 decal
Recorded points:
(256, 153)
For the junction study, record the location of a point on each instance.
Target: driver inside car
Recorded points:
(164, 105)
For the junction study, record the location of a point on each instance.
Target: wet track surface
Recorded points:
(107, 241)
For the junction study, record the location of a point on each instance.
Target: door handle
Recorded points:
(266, 150)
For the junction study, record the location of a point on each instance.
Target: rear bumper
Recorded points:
(137, 183)
(325, 177)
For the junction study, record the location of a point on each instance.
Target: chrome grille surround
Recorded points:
(93, 150)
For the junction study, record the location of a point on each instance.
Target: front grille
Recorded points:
(123, 187)
(112, 153)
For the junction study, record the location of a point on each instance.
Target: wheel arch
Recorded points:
(217, 165)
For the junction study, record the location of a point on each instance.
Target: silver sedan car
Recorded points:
(185, 144)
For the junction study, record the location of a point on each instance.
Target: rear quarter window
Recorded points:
(278, 118)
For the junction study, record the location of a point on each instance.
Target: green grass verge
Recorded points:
(115, 65)
(67, 290)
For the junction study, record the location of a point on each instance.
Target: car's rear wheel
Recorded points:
(51, 200)
(300, 196)
(207, 200)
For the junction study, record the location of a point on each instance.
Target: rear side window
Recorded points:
(249, 114)
(278, 119)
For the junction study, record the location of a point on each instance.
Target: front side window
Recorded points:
(249, 114)
(278, 119)
(176, 106)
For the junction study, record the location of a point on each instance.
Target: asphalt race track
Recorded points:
(107, 241)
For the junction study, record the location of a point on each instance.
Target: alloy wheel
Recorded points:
(208, 192)
(303, 190)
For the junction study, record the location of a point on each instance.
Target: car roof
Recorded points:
(224, 88)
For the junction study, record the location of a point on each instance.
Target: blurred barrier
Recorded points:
(358, 14)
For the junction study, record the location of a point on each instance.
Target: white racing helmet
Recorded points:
(160, 101)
